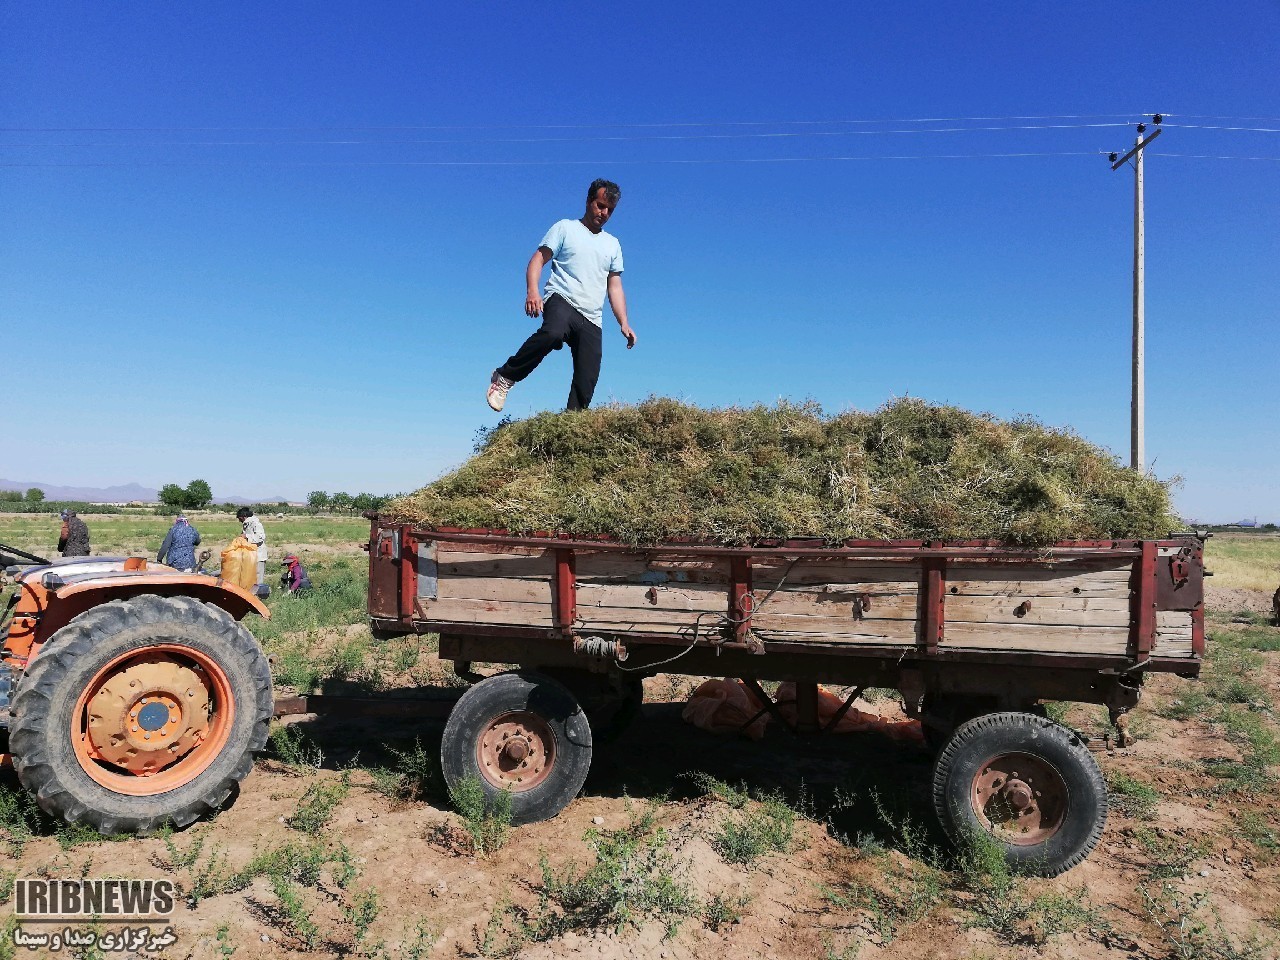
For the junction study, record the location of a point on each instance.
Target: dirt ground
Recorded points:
(1185, 869)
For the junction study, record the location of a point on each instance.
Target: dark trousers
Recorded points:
(561, 324)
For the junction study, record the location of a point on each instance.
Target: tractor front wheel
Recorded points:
(141, 713)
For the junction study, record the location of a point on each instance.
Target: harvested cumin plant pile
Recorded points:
(664, 469)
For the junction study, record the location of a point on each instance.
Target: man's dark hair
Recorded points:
(612, 192)
(243, 512)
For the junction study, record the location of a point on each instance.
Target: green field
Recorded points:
(1249, 561)
(133, 534)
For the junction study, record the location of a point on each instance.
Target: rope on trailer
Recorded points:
(697, 624)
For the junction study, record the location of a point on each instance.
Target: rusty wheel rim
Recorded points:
(1020, 798)
(516, 751)
(152, 720)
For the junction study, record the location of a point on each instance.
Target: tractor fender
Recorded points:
(57, 608)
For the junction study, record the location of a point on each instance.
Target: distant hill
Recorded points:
(120, 494)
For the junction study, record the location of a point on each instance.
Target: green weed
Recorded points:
(1170, 855)
(1132, 797)
(360, 913)
(632, 879)
(294, 748)
(317, 806)
(424, 940)
(415, 773)
(722, 910)
(768, 826)
(1192, 930)
(294, 914)
(736, 797)
(223, 937)
(21, 819)
(1000, 903)
(1262, 834)
(487, 820)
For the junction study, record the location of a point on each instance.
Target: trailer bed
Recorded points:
(1135, 601)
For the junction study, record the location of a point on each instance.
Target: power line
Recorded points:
(776, 135)
(1202, 126)
(596, 163)
(1208, 156)
(537, 163)
(583, 126)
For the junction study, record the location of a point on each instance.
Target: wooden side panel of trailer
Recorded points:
(1080, 606)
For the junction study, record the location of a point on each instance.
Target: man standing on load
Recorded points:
(586, 265)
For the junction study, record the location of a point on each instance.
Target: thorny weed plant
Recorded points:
(486, 819)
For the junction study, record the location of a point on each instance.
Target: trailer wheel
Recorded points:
(520, 732)
(610, 708)
(141, 713)
(1027, 781)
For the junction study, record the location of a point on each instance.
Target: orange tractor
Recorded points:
(131, 693)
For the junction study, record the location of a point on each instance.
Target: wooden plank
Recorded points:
(767, 574)
(902, 630)
(677, 618)
(451, 563)
(706, 632)
(1069, 610)
(496, 589)
(1109, 580)
(826, 637)
(486, 611)
(1035, 638)
(492, 549)
(669, 597)
(839, 604)
(874, 587)
(650, 569)
(1173, 633)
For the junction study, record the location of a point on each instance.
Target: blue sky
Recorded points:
(281, 246)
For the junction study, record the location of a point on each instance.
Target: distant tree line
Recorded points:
(34, 495)
(196, 495)
(320, 500)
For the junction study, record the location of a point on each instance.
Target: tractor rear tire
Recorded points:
(522, 733)
(141, 713)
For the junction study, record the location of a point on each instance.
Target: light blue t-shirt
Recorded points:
(581, 262)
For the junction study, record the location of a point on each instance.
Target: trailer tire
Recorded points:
(1029, 782)
(181, 702)
(521, 732)
(611, 707)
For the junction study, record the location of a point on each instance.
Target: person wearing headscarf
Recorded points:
(73, 540)
(294, 577)
(179, 547)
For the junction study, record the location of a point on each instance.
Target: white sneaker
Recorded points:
(498, 387)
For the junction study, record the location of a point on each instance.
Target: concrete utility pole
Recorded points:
(1137, 421)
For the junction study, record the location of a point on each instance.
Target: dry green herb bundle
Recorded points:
(662, 469)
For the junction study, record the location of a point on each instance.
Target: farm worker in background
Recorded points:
(180, 546)
(294, 578)
(73, 540)
(254, 533)
(586, 264)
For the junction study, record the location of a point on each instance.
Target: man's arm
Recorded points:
(164, 547)
(618, 303)
(532, 274)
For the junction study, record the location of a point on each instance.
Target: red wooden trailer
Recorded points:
(974, 635)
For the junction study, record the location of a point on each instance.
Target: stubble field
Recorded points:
(343, 841)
